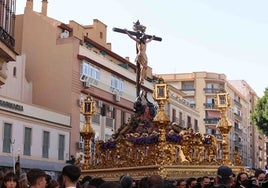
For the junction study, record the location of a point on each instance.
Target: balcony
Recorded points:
(213, 121)
(6, 38)
(192, 105)
(239, 131)
(212, 90)
(238, 117)
(109, 122)
(238, 143)
(96, 119)
(188, 91)
(209, 106)
(237, 103)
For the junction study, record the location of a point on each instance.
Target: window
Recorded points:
(123, 116)
(212, 86)
(210, 100)
(14, 71)
(188, 86)
(7, 137)
(174, 115)
(117, 83)
(196, 125)
(61, 147)
(180, 116)
(101, 35)
(189, 124)
(45, 144)
(27, 141)
(89, 73)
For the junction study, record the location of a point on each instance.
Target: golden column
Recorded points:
(161, 119)
(87, 133)
(224, 126)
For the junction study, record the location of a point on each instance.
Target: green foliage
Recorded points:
(260, 113)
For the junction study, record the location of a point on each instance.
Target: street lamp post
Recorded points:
(224, 126)
(87, 133)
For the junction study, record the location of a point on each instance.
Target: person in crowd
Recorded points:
(182, 183)
(126, 181)
(259, 179)
(191, 182)
(85, 181)
(204, 182)
(233, 181)
(53, 184)
(36, 178)
(23, 182)
(144, 182)
(1, 178)
(10, 180)
(110, 184)
(97, 182)
(241, 180)
(224, 177)
(155, 179)
(70, 176)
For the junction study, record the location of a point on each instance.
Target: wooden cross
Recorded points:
(139, 32)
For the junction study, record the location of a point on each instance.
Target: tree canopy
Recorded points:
(260, 113)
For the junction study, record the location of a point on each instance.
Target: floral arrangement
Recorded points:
(207, 140)
(108, 145)
(174, 138)
(144, 140)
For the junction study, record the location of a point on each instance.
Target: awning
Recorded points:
(29, 163)
(213, 114)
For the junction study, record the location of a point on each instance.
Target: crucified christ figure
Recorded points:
(141, 39)
(141, 57)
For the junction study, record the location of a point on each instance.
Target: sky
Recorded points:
(228, 37)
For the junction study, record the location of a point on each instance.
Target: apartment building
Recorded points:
(254, 139)
(66, 62)
(7, 41)
(38, 135)
(200, 89)
(181, 111)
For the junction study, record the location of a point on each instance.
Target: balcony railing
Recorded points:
(188, 91)
(211, 120)
(237, 103)
(109, 122)
(238, 130)
(238, 117)
(96, 119)
(238, 143)
(210, 105)
(212, 90)
(6, 38)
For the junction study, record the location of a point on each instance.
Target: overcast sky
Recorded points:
(228, 37)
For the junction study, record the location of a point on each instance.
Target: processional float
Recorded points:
(150, 144)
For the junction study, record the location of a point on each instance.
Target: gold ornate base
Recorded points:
(167, 172)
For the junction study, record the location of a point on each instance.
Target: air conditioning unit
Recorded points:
(86, 84)
(110, 108)
(79, 145)
(117, 97)
(79, 102)
(64, 34)
(99, 103)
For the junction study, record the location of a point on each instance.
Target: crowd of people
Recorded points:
(70, 177)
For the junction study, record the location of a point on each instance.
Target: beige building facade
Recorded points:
(40, 136)
(67, 62)
(64, 64)
(200, 89)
